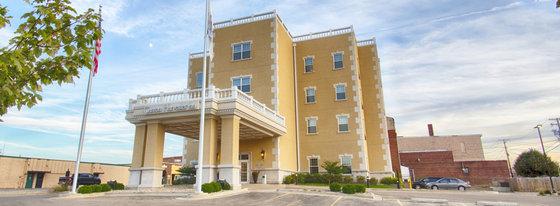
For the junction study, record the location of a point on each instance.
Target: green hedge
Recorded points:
(322, 178)
(348, 189)
(389, 181)
(211, 187)
(335, 187)
(86, 189)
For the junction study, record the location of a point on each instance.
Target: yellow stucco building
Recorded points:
(276, 103)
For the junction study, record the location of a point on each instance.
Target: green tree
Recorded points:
(534, 164)
(332, 167)
(187, 170)
(51, 45)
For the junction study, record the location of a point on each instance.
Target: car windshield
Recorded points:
(430, 179)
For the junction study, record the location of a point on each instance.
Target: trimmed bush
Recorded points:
(96, 188)
(60, 188)
(224, 185)
(217, 186)
(335, 187)
(211, 187)
(119, 186)
(347, 179)
(373, 181)
(85, 189)
(389, 180)
(348, 189)
(290, 179)
(360, 188)
(105, 187)
(360, 179)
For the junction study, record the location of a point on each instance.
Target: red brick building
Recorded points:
(441, 164)
(393, 146)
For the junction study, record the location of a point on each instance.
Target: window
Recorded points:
(242, 83)
(199, 80)
(346, 163)
(342, 123)
(308, 61)
(312, 125)
(337, 60)
(313, 165)
(310, 95)
(340, 90)
(242, 51)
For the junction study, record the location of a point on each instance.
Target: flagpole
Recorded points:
(83, 129)
(202, 105)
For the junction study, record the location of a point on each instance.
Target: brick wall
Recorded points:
(393, 145)
(442, 164)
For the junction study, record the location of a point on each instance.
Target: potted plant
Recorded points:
(255, 175)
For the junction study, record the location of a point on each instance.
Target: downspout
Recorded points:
(296, 103)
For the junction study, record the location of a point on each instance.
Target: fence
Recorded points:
(533, 184)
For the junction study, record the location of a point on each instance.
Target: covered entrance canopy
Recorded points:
(231, 115)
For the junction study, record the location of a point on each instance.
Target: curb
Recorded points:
(488, 203)
(429, 200)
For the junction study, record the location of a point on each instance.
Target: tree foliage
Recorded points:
(187, 170)
(332, 167)
(534, 164)
(51, 45)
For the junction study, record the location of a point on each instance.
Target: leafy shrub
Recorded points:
(96, 188)
(105, 187)
(360, 188)
(373, 181)
(224, 185)
(187, 170)
(85, 189)
(347, 179)
(182, 180)
(119, 186)
(335, 187)
(348, 189)
(545, 192)
(211, 187)
(332, 167)
(290, 179)
(60, 188)
(534, 164)
(389, 180)
(360, 179)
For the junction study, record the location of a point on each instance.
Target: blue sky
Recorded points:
(488, 67)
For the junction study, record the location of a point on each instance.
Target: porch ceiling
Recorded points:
(247, 131)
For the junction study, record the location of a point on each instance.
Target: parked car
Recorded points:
(449, 183)
(83, 179)
(422, 182)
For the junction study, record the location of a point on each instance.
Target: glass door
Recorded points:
(245, 171)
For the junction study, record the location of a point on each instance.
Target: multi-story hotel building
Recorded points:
(276, 103)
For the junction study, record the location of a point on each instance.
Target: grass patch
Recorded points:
(315, 184)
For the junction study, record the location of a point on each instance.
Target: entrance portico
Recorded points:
(231, 116)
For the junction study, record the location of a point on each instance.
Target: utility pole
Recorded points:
(538, 127)
(556, 132)
(508, 162)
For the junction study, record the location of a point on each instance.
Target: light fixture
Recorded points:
(262, 154)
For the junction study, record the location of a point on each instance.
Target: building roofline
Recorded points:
(196, 55)
(443, 136)
(366, 42)
(39, 158)
(420, 151)
(245, 20)
(323, 34)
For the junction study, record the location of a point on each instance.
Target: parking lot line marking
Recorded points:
(274, 198)
(400, 203)
(335, 201)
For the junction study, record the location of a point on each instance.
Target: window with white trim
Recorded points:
(337, 60)
(342, 123)
(242, 83)
(241, 51)
(313, 165)
(346, 163)
(340, 90)
(199, 80)
(312, 125)
(308, 64)
(310, 95)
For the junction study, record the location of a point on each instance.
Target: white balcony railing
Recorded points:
(191, 98)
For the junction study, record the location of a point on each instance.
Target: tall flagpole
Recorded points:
(83, 130)
(202, 104)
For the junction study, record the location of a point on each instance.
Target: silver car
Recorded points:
(449, 183)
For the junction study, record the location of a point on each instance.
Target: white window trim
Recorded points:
(316, 125)
(242, 76)
(196, 80)
(332, 59)
(241, 42)
(309, 162)
(345, 91)
(305, 91)
(351, 161)
(312, 57)
(338, 122)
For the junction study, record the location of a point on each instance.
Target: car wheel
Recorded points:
(417, 187)
(461, 188)
(435, 187)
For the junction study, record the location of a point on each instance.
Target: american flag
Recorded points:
(96, 55)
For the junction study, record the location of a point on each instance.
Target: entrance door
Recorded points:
(39, 181)
(245, 170)
(29, 180)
